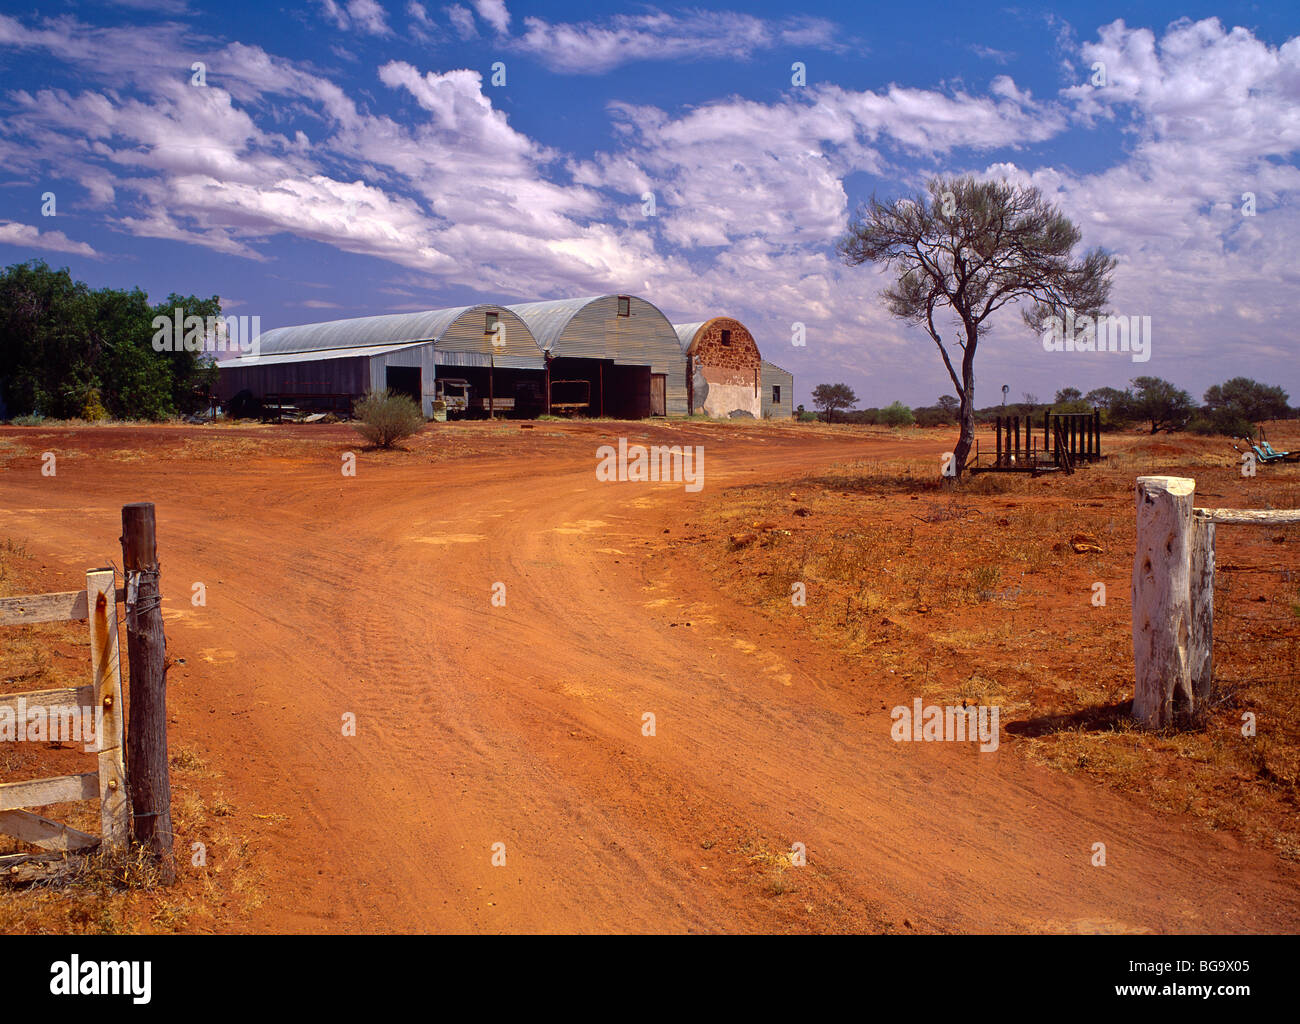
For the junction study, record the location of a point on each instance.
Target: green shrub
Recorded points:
(1221, 421)
(92, 407)
(897, 415)
(933, 416)
(384, 418)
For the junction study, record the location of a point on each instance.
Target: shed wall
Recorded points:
(315, 377)
(773, 375)
(417, 355)
(725, 378)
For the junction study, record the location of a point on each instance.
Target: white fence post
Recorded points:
(1162, 607)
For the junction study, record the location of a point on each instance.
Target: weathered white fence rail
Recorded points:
(97, 604)
(1173, 594)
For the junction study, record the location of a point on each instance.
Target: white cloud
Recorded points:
(155, 6)
(123, 53)
(29, 237)
(363, 15)
(927, 122)
(421, 25)
(989, 53)
(595, 47)
(494, 13)
(462, 20)
(334, 13)
(737, 168)
(369, 16)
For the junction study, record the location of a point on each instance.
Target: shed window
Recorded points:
(776, 394)
(726, 336)
(490, 322)
(624, 306)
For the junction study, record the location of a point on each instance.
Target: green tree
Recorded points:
(971, 247)
(66, 350)
(830, 398)
(1160, 403)
(45, 364)
(1109, 399)
(1067, 395)
(193, 375)
(1242, 399)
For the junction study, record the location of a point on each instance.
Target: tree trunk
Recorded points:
(966, 439)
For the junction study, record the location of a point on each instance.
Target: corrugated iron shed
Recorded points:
(309, 357)
(596, 328)
(686, 334)
(390, 329)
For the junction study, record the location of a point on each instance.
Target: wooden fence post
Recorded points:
(1201, 590)
(1162, 609)
(146, 651)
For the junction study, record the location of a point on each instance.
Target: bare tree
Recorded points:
(974, 246)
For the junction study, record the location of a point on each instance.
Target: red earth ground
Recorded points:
(523, 724)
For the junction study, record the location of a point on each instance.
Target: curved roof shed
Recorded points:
(465, 330)
(623, 329)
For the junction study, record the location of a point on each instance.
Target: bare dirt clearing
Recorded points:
(522, 724)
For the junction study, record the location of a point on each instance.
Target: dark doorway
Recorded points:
(404, 380)
(519, 394)
(611, 389)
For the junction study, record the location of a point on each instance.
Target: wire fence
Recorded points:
(1256, 622)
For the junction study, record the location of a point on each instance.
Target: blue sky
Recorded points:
(351, 157)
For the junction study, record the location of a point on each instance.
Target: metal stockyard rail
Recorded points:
(1069, 438)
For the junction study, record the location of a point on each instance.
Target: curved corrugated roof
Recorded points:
(366, 331)
(547, 320)
(686, 333)
(281, 358)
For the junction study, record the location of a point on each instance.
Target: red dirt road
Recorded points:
(522, 724)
